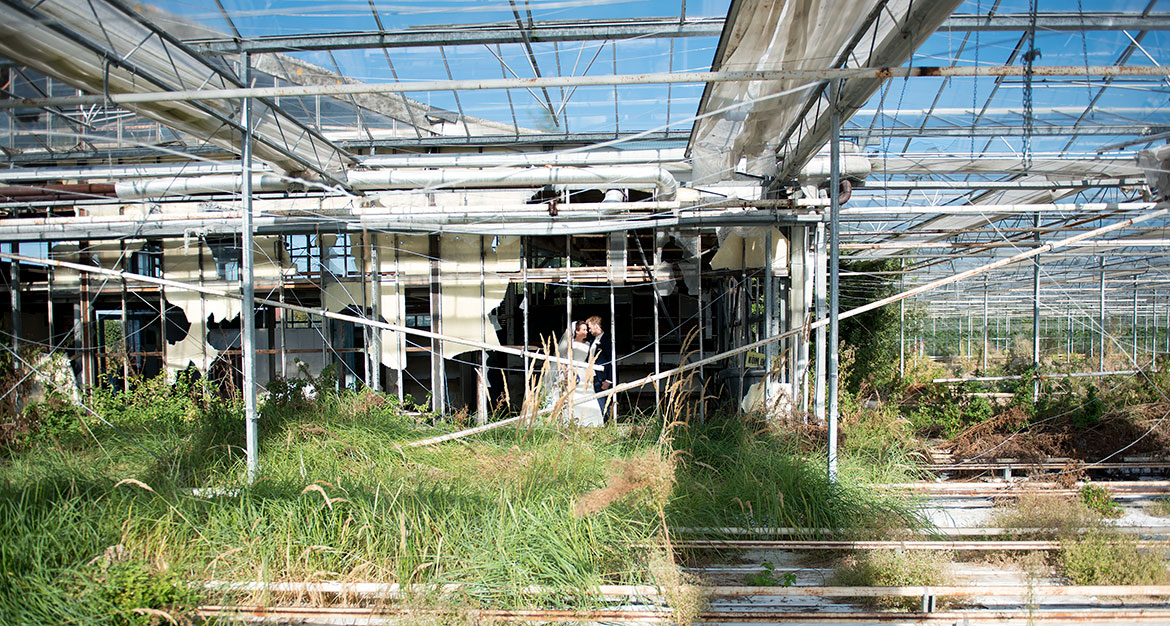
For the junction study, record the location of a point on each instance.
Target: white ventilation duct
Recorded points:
(819, 168)
(528, 159)
(219, 183)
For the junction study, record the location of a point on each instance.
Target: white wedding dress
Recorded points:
(586, 412)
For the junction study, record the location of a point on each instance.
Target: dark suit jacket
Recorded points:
(604, 358)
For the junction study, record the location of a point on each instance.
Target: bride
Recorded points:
(579, 378)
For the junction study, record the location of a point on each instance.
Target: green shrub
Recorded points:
(1104, 557)
(134, 592)
(55, 418)
(1097, 498)
(1076, 401)
(948, 410)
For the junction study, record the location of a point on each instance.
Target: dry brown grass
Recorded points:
(649, 474)
(1045, 515)
(683, 592)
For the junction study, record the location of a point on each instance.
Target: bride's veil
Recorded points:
(564, 346)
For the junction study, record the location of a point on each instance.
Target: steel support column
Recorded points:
(248, 306)
(834, 271)
(1101, 309)
(984, 325)
(375, 348)
(1036, 314)
(771, 321)
(438, 367)
(821, 332)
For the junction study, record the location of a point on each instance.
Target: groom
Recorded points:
(600, 353)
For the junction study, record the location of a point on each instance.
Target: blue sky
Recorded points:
(654, 106)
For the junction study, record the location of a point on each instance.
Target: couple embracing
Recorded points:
(592, 368)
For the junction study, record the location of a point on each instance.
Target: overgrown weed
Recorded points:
(1041, 515)
(893, 568)
(1107, 557)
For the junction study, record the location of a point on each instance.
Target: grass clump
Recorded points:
(1041, 515)
(1160, 507)
(1104, 557)
(681, 590)
(893, 568)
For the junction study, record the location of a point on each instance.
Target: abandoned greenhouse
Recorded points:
(850, 259)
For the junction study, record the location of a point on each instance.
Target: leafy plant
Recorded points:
(1097, 498)
(949, 410)
(770, 577)
(137, 595)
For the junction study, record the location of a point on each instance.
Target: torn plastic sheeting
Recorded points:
(1156, 164)
(743, 248)
(769, 397)
(466, 301)
(691, 243)
(793, 34)
(193, 262)
(193, 349)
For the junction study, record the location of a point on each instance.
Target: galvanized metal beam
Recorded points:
(851, 75)
(636, 28)
(486, 34)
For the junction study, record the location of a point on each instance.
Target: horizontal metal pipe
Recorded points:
(1018, 377)
(126, 171)
(809, 75)
(56, 191)
(962, 531)
(395, 590)
(371, 616)
(975, 184)
(600, 176)
(990, 209)
(1098, 243)
(984, 545)
(533, 159)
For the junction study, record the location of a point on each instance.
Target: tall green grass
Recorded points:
(746, 473)
(162, 498)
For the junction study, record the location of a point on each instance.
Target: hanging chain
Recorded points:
(1030, 57)
(1085, 51)
(975, 81)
